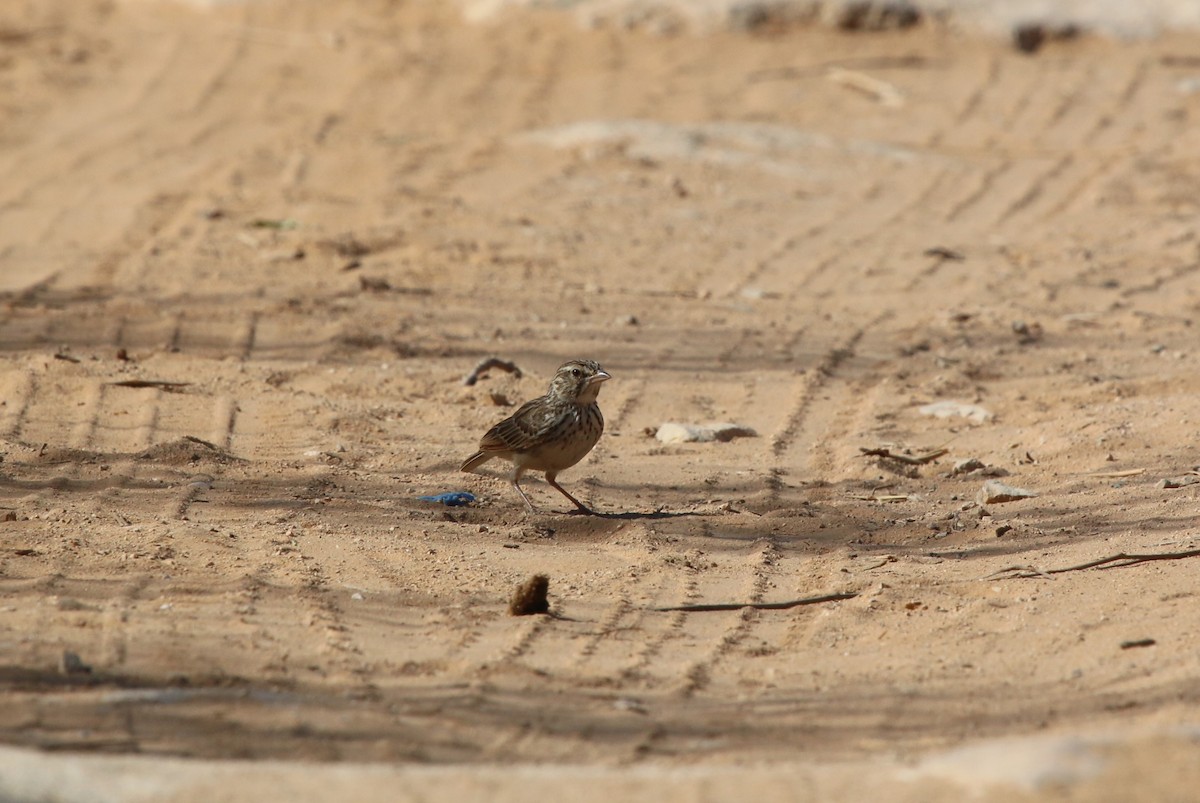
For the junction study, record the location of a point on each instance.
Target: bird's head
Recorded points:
(578, 381)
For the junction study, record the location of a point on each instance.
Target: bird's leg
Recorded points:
(515, 480)
(528, 504)
(550, 475)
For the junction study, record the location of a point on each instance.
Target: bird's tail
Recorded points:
(476, 460)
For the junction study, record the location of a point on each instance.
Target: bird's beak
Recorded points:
(599, 377)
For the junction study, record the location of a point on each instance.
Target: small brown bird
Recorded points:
(550, 433)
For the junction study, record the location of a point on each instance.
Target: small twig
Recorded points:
(489, 363)
(150, 383)
(1135, 643)
(867, 63)
(729, 508)
(882, 91)
(1117, 561)
(885, 498)
(872, 496)
(1125, 559)
(760, 606)
(942, 253)
(1171, 60)
(202, 442)
(15, 35)
(917, 460)
(1019, 571)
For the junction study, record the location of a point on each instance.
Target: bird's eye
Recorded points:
(574, 372)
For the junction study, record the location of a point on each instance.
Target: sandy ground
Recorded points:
(317, 218)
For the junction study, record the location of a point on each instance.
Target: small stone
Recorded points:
(1188, 86)
(629, 704)
(967, 466)
(755, 16)
(952, 409)
(1179, 482)
(757, 293)
(874, 15)
(283, 255)
(672, 432)
(1028, 37)
(995, 492)
(357, 596)
(69, 663)
(976, 467)
(675, 432)
(1027, 332)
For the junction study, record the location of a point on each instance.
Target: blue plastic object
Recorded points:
(451, 499)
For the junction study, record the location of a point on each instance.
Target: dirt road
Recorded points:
(249, 253)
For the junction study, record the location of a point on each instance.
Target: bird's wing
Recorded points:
(525, 429)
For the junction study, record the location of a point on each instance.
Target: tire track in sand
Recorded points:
(609, 657)
(716, 635)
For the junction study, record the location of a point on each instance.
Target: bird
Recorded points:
(550, 433)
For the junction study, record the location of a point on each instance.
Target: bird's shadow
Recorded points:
(632, 515)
